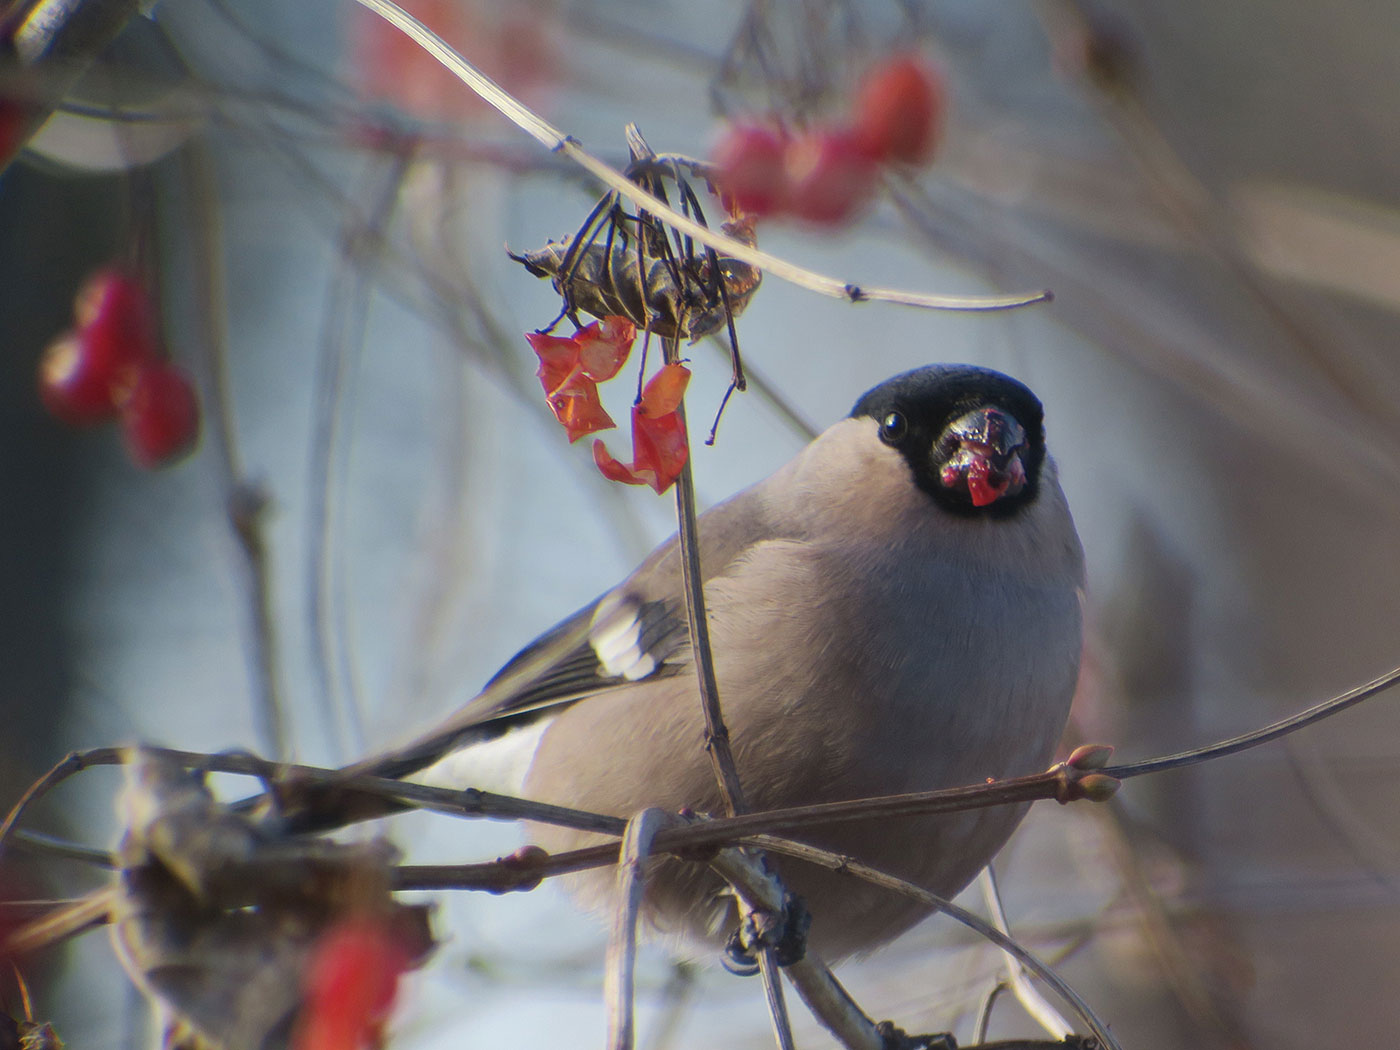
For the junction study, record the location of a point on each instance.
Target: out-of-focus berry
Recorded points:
(830, 178)
(752, 177)
(900, 111)
(160, 418)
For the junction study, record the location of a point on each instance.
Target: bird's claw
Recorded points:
(784, 933)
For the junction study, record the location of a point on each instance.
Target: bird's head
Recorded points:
(974, 439)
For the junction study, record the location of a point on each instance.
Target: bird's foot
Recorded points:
(784, 933)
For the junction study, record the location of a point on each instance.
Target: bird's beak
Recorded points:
(984, 449)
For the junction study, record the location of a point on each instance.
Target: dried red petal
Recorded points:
(351, 981)
(659, 448)
(576, 405)
(664, 391)
(900, 111)
(161, 416)
(750, 172)
(613, 468)
(559, 359)
(831, 178)
(604, 345)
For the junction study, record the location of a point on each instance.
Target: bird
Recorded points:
(896, 609)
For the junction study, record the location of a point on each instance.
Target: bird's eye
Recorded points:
(893, 427)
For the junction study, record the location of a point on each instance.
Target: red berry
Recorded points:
(830, 178)
(114, 315)
(72, 385)
(900, 111)
(84, 376)
(161, 417)
(751, 176)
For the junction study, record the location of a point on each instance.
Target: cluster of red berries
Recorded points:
(825, 175)
(110, 367)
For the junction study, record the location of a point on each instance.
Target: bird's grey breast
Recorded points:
(870, 652)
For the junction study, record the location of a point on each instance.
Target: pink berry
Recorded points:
(161, 416)
(830, 178)
(900, 111)
(751, 176)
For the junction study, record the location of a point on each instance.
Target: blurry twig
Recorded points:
(1273, 731)
(1031, 1000)
(837, 862)
(557, 141)
(62, 38)
(48, 845)
(1111, 66)
(347, 304)
(619, 975)
(244, 502)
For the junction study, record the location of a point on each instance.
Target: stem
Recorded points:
(556, 141)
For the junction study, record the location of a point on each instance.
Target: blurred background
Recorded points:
(1209, 189)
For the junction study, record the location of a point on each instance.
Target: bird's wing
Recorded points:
(636, 631)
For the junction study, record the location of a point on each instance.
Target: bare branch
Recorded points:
(1274, 731)
(819, 989)
(836, 862)
(244, 503)
(619, 984)
(1031, 1000)
(556, 141)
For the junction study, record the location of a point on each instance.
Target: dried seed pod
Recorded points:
(680, 298)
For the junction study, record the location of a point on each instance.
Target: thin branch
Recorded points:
(1273, 731)
(716, 732)
(619, 975)
(777, 1005)
(556, 141)
(51, 846)
(819, 989)
(341, 346)
(1031, 1000)
(837, 862)
(244, 503)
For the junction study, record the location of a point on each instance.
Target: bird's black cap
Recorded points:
(915, 409)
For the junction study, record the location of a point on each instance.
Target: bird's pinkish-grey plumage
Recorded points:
(875, 631)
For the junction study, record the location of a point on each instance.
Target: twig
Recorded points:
(619, 975)
(773, 995)
(1273, 731)
(1031, 1000)
(48, 845)
(243, 502)
(716, 732)
(556, 141)
(984, 1012)
(819, 989)
(873, 875)
(343, 336)
(61, 37)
